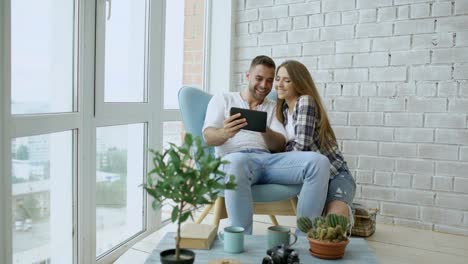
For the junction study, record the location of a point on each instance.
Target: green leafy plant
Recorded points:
(331, 228)
(189, 175)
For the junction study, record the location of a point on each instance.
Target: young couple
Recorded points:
(298, 147)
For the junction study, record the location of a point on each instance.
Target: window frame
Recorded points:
(24, 125)
(5, 182)
(122, 113)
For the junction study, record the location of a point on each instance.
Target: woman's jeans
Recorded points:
(250, 167)
(342, 187)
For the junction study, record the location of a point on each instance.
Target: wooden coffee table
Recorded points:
(357, 251)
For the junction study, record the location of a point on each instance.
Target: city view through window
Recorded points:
(119, 176)
(42, 198)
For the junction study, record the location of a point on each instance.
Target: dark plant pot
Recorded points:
(326, 249)
(168, 256)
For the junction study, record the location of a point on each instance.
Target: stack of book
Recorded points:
(197, 236)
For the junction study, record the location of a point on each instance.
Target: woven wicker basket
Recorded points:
(364, 222)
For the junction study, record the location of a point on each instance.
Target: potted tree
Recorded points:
(328, 236)
(189, 176)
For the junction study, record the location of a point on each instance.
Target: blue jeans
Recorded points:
(250, 167)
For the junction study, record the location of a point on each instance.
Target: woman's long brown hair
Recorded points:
(303, 83)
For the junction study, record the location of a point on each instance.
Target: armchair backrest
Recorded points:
(192, 104)
(272, 95)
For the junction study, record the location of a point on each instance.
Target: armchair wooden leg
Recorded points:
(273, 220)
(205, 212)
(219, 211)
(294, 204)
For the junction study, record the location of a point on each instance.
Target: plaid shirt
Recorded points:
(306, 129)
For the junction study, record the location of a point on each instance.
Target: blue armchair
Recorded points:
(269, 199)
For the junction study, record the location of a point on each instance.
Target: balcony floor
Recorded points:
(391, 244)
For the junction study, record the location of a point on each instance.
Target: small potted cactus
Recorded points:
(328, 236)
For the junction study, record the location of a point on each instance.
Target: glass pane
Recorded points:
(42, 189)
(125, 51)
(119, 176)
(185, 51)
(172, 133)
(42, 56)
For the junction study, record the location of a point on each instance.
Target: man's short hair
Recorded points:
(263, 60)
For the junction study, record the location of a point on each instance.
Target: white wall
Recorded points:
(394, 76)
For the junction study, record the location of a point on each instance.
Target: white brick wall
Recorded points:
(383, 178)
(376, 163)
(375, 133)
(394, 77)
(441, 216)
(398, 150)
(400, 210)
(422, 182)
(404, 120)
(442, 183)
(402, 180)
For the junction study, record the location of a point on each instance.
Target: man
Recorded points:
(250, 153)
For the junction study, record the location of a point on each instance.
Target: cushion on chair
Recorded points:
(193, 103)
(263, 193)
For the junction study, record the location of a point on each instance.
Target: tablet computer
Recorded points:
(256, 120)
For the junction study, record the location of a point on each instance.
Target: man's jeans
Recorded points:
(259, 167)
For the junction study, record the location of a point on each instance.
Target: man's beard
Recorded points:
(254, 94)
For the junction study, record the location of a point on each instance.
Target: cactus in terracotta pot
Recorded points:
(332, 228)
(327, 235)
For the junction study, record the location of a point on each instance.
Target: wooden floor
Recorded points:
(391, 244)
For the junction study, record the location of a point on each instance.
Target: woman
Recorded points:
(300, 109)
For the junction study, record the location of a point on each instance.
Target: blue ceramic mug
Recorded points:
(233, 239)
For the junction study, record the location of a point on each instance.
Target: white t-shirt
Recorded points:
(218, 111)
(290, 127)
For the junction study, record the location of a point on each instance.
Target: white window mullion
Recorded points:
(100, 37)
(86, 226)
(207, 40)
(75, 163)
(171, 115)
(86, 229)
(77, 133)
(5, 142)
(122, 113)
(148, 112)
(30, 125)
(155, 94)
